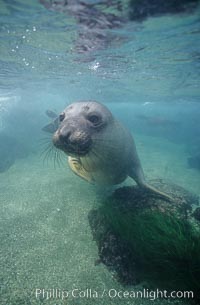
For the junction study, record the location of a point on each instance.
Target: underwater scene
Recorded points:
(99, 152)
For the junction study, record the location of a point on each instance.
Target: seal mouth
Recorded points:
(77, 143)
(76, 150)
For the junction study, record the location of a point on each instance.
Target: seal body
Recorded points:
(99, 148)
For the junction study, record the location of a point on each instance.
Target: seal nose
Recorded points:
(72, 140)
(64, 136)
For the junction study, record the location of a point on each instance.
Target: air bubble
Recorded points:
(94, 66)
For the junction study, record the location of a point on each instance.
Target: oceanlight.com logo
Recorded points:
(88, 293)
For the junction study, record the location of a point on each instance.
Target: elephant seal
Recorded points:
(99, 148)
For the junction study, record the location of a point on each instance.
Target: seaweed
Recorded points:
(165, 248)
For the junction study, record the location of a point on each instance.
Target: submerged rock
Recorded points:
(10, 150)
(114, 252)
(138, 233)
(6, 160)
(194, 162)
(140, 9)
(196, 214)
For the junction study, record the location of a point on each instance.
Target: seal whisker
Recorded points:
(47, 140)
(55, 159)
(46, 153)
(49, 154)
(46, 149)
(60, 159)
(60, 155)
(49, 145)
(44, 139)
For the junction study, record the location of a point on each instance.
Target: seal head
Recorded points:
(79, 123)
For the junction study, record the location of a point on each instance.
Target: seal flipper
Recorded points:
(78, 169)
(153, 190)
(138, 175)
(51, 127)
(51, 114)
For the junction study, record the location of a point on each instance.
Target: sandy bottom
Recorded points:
(46, 241)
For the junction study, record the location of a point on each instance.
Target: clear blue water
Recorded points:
(149, 78)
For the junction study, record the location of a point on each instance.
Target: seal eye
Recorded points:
(95, 119)
(61, 116)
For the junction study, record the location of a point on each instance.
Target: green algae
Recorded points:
(165, 248)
